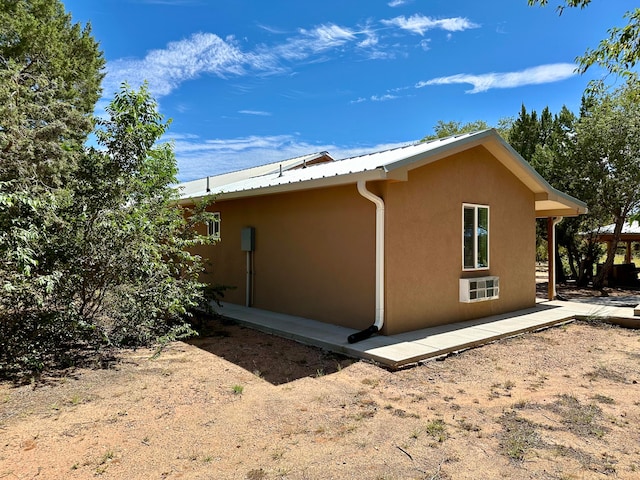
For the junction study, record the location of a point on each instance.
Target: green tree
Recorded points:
(608, 142)
(618, 53)
(445, 129)
(127, 267)
(547, 142)
(117, 268)
(596, 158)
(50, 74)
(94, 248)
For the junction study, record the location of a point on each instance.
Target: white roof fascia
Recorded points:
(487, 138)
(232, 191)
(559, 204)
(333, 181)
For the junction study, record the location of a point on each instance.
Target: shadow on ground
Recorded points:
(276, 360)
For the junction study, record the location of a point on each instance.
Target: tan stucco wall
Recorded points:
(315, 250)
(424, 241)
(314, 254)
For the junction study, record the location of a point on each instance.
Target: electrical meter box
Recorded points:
(248, 239)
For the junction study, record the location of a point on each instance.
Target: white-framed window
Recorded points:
(213, 226)
(475, 237)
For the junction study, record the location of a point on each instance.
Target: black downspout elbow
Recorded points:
(363, 335)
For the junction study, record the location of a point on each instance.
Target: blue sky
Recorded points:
(248, 82)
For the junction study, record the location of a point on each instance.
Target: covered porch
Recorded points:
(554, 206)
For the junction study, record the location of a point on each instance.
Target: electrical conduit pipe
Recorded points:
(379, 315)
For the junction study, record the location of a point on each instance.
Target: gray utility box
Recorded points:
(248, 239)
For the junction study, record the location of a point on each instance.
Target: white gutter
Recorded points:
(362, 189)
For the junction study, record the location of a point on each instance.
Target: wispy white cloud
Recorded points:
(398, 3)
(167, 68)
(207, 53)
(531, 76)
(371, 39)
(199, 157)
(186, 59)
(316, 40)
(383, 98)
(271, 29)
(255, 112)
(419, 23)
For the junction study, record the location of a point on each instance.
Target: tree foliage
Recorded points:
(620, 52)
(608, 141)
(95, 249)
(547, 142)
(446, 129)
(594, 157)
(114, 267)
(129, 270)
(50, 73)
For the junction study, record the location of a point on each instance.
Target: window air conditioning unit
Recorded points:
(479, 289)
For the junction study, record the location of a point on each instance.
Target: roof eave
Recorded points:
(554, 203)
(562, 204)
(333, 181)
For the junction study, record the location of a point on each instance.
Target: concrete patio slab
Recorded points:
(395, 351)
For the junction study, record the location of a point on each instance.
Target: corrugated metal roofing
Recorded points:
(198, 188)
(383, 161)
(387, 164)
(627, 228)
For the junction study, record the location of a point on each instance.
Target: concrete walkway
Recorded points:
(395, 351)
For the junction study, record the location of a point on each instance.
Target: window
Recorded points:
(213, 226)
(475, 241)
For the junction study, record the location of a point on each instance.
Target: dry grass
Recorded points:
(557, 404)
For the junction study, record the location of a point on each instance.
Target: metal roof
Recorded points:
(198, 188)
(259, 178)
(384, 165)
(632, 228)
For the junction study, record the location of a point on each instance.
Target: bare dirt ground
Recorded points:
(563, 403)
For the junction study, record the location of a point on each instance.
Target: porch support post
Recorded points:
(551, 254)
(627, 257)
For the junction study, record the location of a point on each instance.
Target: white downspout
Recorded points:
(362, 189)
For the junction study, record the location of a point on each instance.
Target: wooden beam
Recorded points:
(551, 254)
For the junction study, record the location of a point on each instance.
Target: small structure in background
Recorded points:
(622, 274)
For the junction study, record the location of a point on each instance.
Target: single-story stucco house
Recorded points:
(397, 240)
